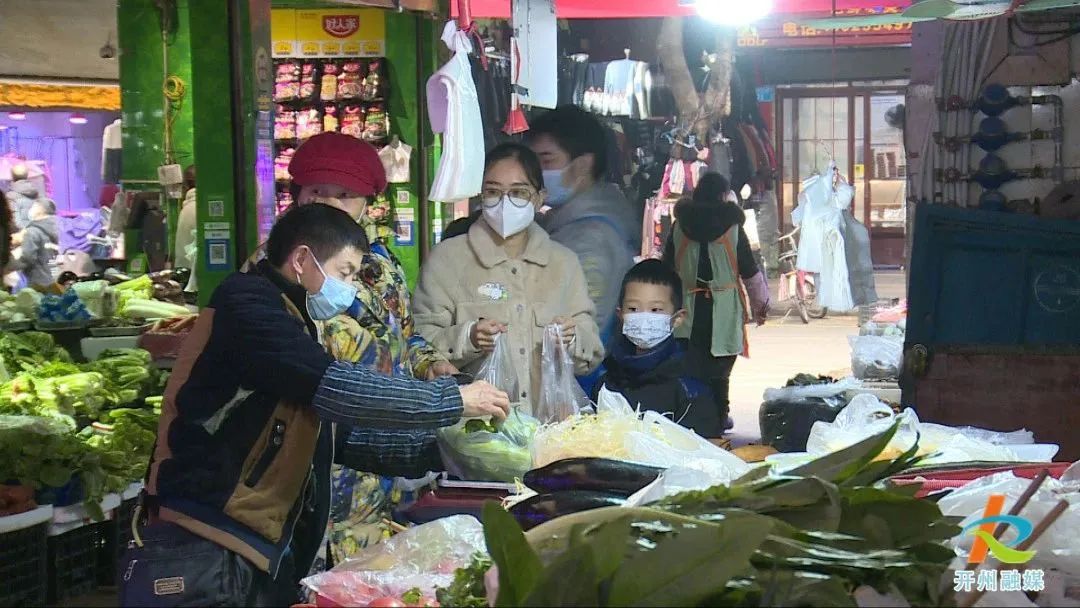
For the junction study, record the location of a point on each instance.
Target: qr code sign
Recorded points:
(217, 209)
(218, 254)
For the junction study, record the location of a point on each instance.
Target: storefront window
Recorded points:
(888, 171)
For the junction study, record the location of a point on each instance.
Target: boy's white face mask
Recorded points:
(646, 330)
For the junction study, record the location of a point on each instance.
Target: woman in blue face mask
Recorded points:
(587, 214)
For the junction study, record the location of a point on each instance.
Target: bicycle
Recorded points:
(797, 285)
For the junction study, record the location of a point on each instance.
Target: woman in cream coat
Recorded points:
(506, 276)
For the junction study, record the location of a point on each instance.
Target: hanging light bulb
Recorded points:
(77, 119)
(733, 12)
(17, 115)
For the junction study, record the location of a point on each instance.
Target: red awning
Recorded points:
(596, 9)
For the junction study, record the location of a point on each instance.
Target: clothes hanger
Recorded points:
(626, 53)
(395, 141)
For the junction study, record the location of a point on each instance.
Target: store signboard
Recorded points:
(784, 32)
(329, 33)
(594, 9)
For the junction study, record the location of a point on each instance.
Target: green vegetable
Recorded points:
(124, 445)
(129, 374)
(477, 451)
(807, 538)
(467, 590)
(45, 453)
(28, 351)
(80, 394)
(142, 308)
(413, 596)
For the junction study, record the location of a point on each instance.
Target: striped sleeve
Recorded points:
(353, 395)
(395, 453)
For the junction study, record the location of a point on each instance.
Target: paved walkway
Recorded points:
(785, 347)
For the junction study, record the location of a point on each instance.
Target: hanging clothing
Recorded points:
(111, 146)
(185, 250)
(454, 111)
(821, 240)
(619, 87)
(395, 160)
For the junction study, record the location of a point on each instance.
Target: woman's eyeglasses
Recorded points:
(519, 197)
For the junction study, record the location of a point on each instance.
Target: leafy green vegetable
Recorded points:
(129, 374)
(467, 590)
(480, 451)
(809, 537)
(29, 351)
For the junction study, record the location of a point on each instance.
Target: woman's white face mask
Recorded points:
(509, 216)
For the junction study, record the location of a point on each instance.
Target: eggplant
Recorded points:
(595, 474)
(542, 508)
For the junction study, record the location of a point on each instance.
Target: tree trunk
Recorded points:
(697, 113)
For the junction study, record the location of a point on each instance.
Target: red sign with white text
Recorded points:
(341, 26)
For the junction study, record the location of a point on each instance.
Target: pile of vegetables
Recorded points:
(18, 308)
(478, 450)
(810, 380)
(136, 301)
(811, 537)
(47, 401)
(44, 453)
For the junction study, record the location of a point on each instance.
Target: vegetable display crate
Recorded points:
(72, 563)
(24, 558)
(113, 537)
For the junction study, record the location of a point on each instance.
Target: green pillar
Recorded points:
(410, 65)
(229, 185)
(144, 57)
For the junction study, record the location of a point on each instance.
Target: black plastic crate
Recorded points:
(23, 566)
(73, 562)
(113, 537)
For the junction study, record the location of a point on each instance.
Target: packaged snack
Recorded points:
(329, 86)
(373, 82)
(309, 122)
(284, 123)
(331, 123)
(308, 80)
(281, 164)
(352, 121)
(377, 124)
(287, 81)
(350, 81)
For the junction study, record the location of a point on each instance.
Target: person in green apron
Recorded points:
(709, 250)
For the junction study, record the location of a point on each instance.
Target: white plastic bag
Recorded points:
(876, 357)
(560, 394)
(819, 391)
(498, 369)
(422, 557)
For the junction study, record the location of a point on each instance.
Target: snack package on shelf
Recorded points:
(309, 122)
(331, 124)
(328, 89)
(350, 81)
(284, 123)
(376, 124)
(281, 164)
(374, 81)
(352, 121)
(287, 81)
(417, 560)
(309, 82)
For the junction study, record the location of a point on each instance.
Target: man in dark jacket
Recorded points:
(647, 365)
(238, 489)
(40, 244)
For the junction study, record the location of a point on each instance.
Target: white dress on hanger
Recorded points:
(821, 239)
(454, 111)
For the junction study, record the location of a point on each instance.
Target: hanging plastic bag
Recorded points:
(498, 370)
(476, 450)
(560, 394)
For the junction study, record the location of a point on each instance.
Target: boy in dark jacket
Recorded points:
(647, 364)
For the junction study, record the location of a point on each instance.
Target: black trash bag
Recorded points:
(785, 425)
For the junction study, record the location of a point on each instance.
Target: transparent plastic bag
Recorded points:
(876, 357)
(423, 557)
(863, 417)
(498, 369)
(560, 394)
(471, 451)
